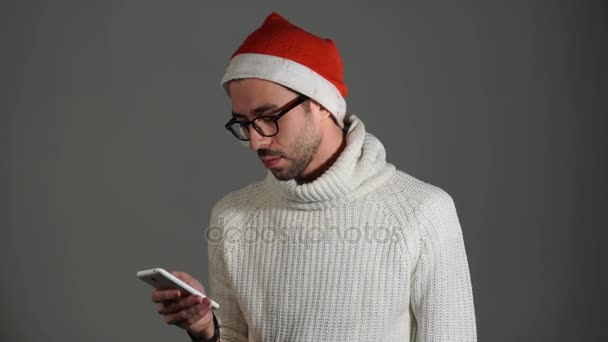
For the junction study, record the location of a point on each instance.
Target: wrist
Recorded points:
(211, 334)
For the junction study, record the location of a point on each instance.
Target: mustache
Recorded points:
(269, 153)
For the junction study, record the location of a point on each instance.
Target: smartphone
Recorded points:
(161, 279)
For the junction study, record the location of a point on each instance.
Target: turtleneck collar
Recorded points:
(360, 168)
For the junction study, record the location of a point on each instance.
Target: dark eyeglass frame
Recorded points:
(273, 118)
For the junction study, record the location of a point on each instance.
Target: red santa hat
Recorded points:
(283, 53)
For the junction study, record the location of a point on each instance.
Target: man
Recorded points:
(335, 244)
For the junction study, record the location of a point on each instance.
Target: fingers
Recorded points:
(183, 309)
(202, 318)
(160, 296)
(170, 307)
(189, 315)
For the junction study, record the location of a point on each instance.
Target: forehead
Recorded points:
(250, 93)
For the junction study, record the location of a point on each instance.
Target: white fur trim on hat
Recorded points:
(289, 74)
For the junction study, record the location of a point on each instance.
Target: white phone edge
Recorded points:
(176, 281)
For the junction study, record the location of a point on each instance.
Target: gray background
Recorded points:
(114, 150)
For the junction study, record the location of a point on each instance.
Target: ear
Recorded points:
(324, 113)
(327, 115)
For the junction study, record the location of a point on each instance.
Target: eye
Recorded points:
(267, 118)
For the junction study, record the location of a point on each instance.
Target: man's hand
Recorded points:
(187, 311)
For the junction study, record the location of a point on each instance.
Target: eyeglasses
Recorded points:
(266, 125)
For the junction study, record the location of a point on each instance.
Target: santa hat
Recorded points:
(283, 53)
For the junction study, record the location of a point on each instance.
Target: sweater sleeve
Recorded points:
(233, 326)
(442, 295)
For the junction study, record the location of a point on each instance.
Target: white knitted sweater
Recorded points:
(363, 253)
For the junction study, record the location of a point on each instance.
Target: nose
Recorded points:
(256, 140)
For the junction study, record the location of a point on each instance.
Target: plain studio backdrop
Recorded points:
(114, 149)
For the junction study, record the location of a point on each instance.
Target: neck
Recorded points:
(329, 150)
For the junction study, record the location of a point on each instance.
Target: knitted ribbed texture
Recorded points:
(363, 253)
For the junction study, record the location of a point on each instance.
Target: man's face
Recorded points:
(290, 152)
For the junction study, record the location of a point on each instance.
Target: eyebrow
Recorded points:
(257, 111)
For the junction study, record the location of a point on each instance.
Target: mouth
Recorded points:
(271, 162)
